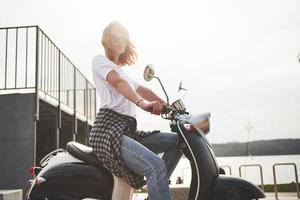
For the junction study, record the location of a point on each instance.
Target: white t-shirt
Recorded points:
(109, 96)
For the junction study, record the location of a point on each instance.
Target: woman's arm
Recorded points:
(148, 94)
(124, 88)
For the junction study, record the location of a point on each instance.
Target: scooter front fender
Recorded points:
(242, 188)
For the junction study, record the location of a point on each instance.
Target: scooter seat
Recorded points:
(82, 152)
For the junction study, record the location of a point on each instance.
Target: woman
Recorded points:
(124, 151)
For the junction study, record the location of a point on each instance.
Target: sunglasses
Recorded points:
(117, 38)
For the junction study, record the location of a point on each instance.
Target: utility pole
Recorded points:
(248, 128)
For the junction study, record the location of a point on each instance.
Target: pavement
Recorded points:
(283, 196)
(269, 196)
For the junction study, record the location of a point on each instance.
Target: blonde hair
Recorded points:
(129, 56)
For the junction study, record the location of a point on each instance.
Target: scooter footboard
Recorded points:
(226, 187)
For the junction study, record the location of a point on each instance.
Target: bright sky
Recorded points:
(238, 59)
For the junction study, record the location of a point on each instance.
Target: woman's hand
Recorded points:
(154, 107)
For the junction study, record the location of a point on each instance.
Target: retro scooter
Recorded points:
(75, 173)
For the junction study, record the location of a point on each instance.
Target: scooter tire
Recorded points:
(47, 198)
(64, 198)
(44, 198)
(55, 198)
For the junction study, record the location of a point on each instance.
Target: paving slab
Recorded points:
(11, 194)
(282, 196)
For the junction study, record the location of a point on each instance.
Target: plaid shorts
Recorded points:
(105, 139)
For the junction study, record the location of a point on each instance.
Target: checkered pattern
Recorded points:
(105, 139)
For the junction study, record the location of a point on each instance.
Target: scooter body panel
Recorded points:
(67, 177)
(206, 182)
(203, 164)
(74, 180)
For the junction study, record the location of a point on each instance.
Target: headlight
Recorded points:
(204, 126)
(201, 122)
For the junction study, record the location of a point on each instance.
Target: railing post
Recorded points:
(296, 178)
(275, 182)
(58, 108)
(260, 170)
(16, 58)
(86, 106)
(261, 178)
(85, 102)
(297, 181)
(36, 117)
(37, 73)
(87, 128)
(6, 46)
(26, 62)
(74, 117)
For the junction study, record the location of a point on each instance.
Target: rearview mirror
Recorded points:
(149, 72)
(180, 87)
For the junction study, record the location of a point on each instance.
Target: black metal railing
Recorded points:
(17, 57)
(29, 60)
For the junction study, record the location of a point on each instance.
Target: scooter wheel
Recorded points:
(45, 198)
(52, 198)
(64, 198)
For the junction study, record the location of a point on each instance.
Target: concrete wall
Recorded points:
(16, 139)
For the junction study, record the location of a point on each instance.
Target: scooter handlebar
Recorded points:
(165, 109)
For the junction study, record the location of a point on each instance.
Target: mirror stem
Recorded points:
(163, 89)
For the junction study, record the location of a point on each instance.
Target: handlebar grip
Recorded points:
(150, 110)
(165, 109)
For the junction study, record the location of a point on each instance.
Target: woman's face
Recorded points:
(117, 39)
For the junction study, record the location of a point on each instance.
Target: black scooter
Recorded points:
(75, 173)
